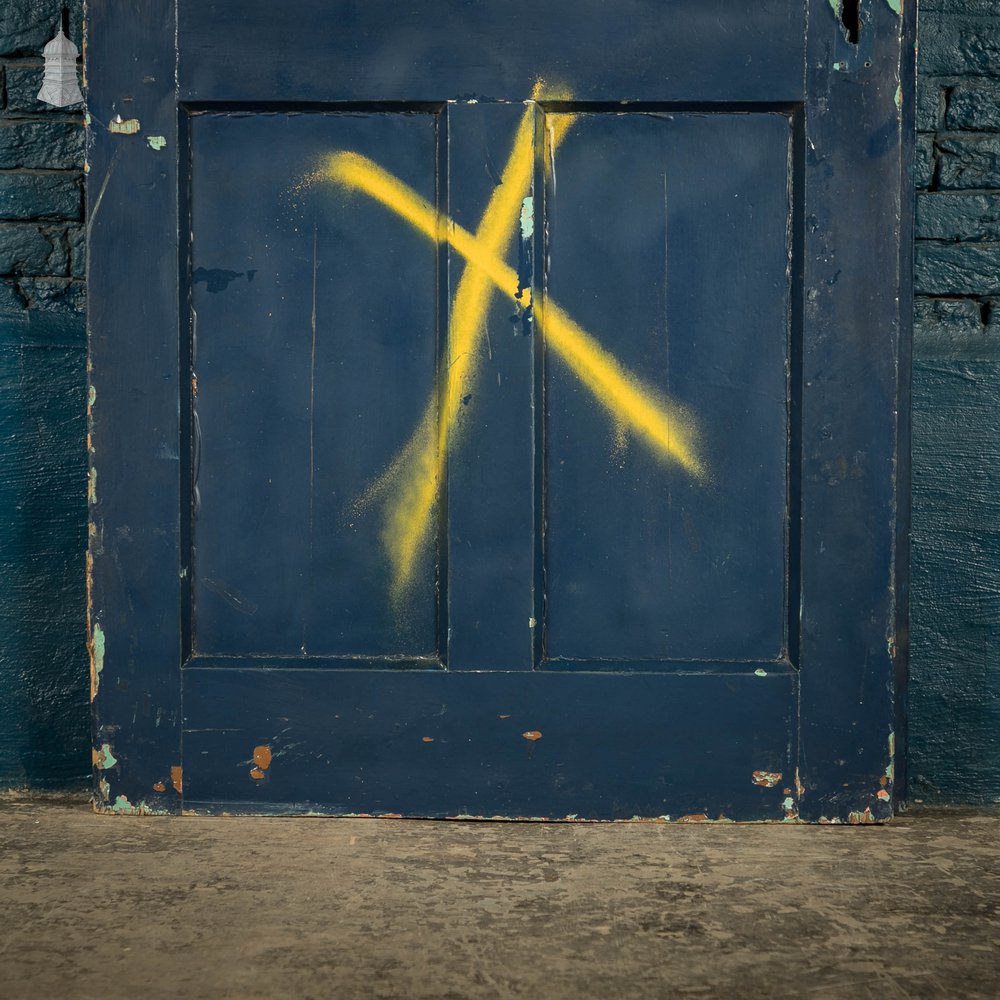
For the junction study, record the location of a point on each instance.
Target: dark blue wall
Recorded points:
(955, 671)
(43, 663)
(955, 683)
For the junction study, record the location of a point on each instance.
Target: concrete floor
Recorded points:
(261, 909)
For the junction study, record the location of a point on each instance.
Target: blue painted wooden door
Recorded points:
(495, 408)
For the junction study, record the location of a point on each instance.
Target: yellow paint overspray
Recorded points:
(412, 482)
(666, 427)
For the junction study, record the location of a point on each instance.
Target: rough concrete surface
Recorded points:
(247, 909)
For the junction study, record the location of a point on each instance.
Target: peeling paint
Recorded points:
(694, 818)
(864, 818)
(766, 779)
(123, 807)
(96, 648)
(156, 142)
(532, 735)
(882, 795)
(91, 397)
(800, 789)
(105, 789)
(127, 126)
(527, 219)
(899, 107)
(104, 758)
(177, 778)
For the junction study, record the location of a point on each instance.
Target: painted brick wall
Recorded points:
(43, 667)
(955, 609)
(955, 691)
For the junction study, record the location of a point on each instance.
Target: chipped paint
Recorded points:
(104, 758)
(760, 672)
(800, 789)
(177, 778)
(694, 818)
(96, 649)
(91, 398)
(882, 795)
(427, 739)
(532, 735)
(105, 789)
(122, 807)
(861, 818)
(257, 774)
(899, 107)
(120, 126)
(766, 779)
(159, 786)
(262, 756)
(527, 218)
(156, 142)
(92, 485)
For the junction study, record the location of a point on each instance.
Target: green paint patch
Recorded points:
(156, 142)
(527, 218)
(91, 396)
(127, 126)
(896, 5)
(122, 807)
(837, 6)
(104, 758)
(97, 657)
(760, 672)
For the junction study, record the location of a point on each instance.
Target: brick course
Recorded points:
(42, 263)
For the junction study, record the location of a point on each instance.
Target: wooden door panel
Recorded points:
(678, 260)
(436, 50)
(315, 353)
(530, 744)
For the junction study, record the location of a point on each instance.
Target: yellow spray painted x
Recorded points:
(414, 478)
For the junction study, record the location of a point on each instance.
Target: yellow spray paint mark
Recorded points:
(414, 476)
